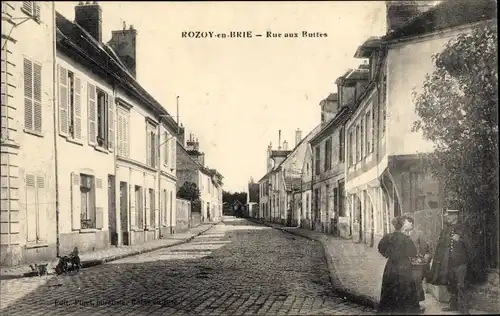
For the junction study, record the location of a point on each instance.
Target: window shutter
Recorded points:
(111, 122)
(28, 94)
(99, 203)
(126, 134)
(156, 206)
(173, 148)
(166, 153)
(78, 108)
(28, 6)
(63, 101)
(42, 210)
(92, 114)
(37, 97)
(133, 214)
(31, 208)
(119, 145)
(146, 208)
(76, 200)
(148, 148)
(36, 10)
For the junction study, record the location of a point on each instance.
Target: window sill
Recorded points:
(101, 149)
(34, 245)
(27, 131)
(74, 141)
(88, 230)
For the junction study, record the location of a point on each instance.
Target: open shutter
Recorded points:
(119, 132)
(31, 208)
(147, 202)
(28, 94)
(63, 102)
(28, 6)
(157, 208)
(111, 123)
(76, 198)
(36, 10)
(99, 203)
(133, 214)
(42, 210)
(173, 148)
(148, 148)
(92, 113)
(78, 108)
(37, 97)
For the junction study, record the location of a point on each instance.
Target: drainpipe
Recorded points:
(54, 100)
(159, 181)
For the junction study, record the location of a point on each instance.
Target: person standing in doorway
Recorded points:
(423, 254)
(451, 258)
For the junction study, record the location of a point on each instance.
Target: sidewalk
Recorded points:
(113, 253)
(356, 270)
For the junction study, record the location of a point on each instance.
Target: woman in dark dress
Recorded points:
(399, 292)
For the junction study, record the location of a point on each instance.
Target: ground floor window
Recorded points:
(87, 207)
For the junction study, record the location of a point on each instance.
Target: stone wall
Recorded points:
(183, 212)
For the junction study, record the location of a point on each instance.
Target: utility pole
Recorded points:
(177, 103)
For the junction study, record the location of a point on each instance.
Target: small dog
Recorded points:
(40, 270)
(69, 263)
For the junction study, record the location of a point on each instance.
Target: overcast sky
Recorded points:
(235, 94)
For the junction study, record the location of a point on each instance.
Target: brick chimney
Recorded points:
(285, 145)
(400, 13)
(298, 136)
(89, 16)
(124, 43)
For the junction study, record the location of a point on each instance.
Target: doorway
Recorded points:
(113, 235)
(124, 218)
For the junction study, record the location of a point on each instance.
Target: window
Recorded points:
(165, 207)
(317, 160)
(100, 118)
(327, 199)
(317, 206)
(328, 154)
(362, 139)
(357, 145)
(171, 205)
(166, 151)
(87, 190)
(341, 199)
(352, 150)
(32, 96)
(152, 147)
(139, 215)
(36, 209)
(335, 200)
(152, 213)
(70, 104)
(123, 132)
(368, 134)
(383, 104)
(341, 144)
(32, 8)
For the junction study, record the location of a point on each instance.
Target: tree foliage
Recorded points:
(458, 110)
(189, 191)
(230, 198)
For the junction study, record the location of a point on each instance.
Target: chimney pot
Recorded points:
(298, 136)
(124, 43)
(89, 17)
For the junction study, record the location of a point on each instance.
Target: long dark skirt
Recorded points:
(399, 293)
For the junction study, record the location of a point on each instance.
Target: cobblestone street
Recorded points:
(236, 268)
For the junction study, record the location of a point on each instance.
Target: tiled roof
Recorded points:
(100, 58)
(447, 14)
